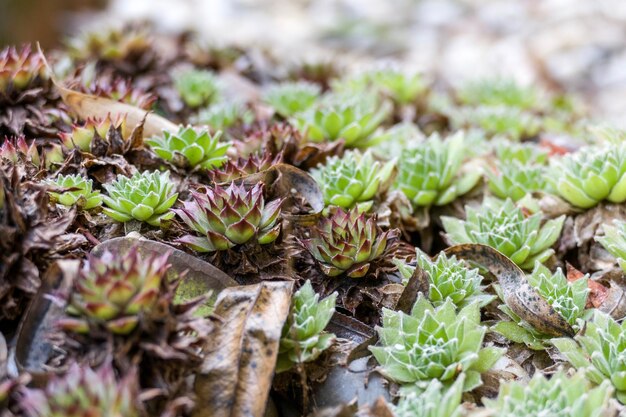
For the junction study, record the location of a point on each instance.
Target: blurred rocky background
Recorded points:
(571, 45)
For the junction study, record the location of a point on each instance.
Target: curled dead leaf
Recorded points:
(236, 375)
(519, 295)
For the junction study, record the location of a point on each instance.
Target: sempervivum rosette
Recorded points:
(112, 291)
(225, 217)
(348, 242)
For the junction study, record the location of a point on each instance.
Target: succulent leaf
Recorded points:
(614, 241)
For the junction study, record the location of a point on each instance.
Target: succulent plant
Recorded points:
(191, 147)
(568, 299)
(291, 98)
(82, 136)
(509, 122)
(79, 191)
(403, 88)
(348, 242)
(499, 92)
(196, 87)
(19, 69)
(83, 392)
(223, 115)
(433, 343)
(146, 196)
(302, 339)
(225, 217)
(590, 175)
(435, 401)
(515, 180)
(523, 153)
(430, 174)
(614, 241)
(353, 180)
(599, 351)
(117, 89)
(504, 227)
(559, 396)
(241, 167)
(354, 119)
(449, 278)
(17, 150)
(112, 291)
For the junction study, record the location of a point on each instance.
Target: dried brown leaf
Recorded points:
(236, 375)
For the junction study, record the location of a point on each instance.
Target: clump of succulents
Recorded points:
(237, 168)
(191, 147)
(449, 278)
(353, 180)
(504, 226)
(435, 401)
(146, 196)
(614, 241)
(433, 343)
(591, 175)
(515, 180)
(348, 243)
(226, 217)
(291, 98)
(559, 396)
(197, 87)
(17, 150)
(353, 119)
(223, 115)
(303, 339)
(430, 174)
(82, 136)
(112, 292)
(599, 351)
(83, 391)
(78, 191)
(567, 298)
